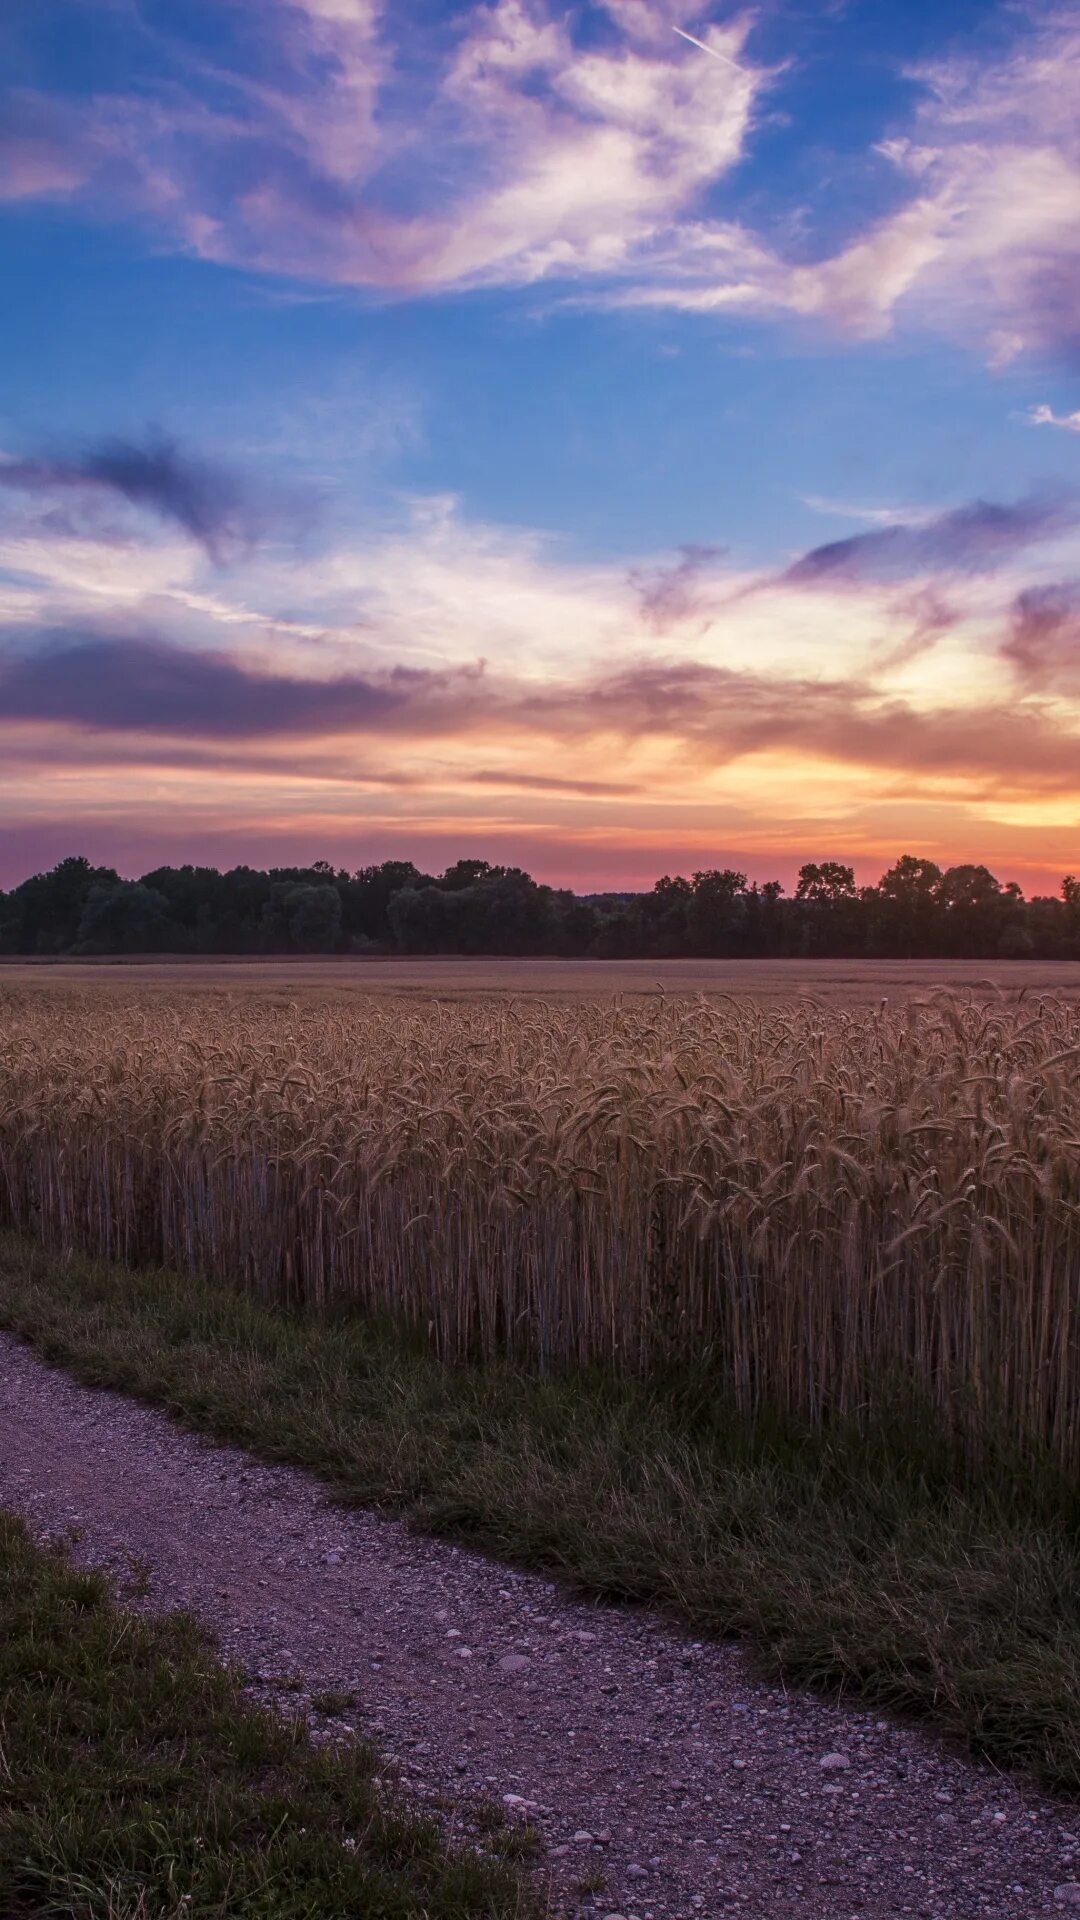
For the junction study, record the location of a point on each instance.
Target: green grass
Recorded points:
(138, 1783)
(869, 1563)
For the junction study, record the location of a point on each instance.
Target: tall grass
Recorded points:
(818, 1204)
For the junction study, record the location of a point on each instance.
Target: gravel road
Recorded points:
(664, 1778)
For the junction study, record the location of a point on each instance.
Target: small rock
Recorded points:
(514, 1663)
(1068, 1894)
(834, 1762)
(333, 1559)
(583, 1838)
(634, 1872)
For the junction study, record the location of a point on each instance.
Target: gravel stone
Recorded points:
(691, 1764)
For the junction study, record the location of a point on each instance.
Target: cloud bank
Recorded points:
(449, 678)
(119, 684)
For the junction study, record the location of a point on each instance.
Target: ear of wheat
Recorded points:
(811, 1201)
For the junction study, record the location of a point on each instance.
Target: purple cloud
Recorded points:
(1044, 643)
(143, 690)
(46, 152)
(146, 685)
(967, 539)
(208, 502)
(672, 594)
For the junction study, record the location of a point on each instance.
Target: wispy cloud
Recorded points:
(1044, 641)
(985, 246)
(874, 516)
(208, 502)
(584, 158)
(968, 538)
(720, 715)
(1043, 416)
(554, 783)
(555, 157)
(670, 595)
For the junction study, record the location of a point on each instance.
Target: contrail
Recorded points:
(706, 49)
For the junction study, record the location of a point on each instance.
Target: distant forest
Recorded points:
(916, 910)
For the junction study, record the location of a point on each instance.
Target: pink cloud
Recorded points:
(987, 246)
(592, 163)
(701, 716)
(37, 169)
(554, 159)
(134, 677)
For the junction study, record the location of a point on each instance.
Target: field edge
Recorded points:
(868, 1564)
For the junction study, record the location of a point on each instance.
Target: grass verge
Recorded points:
(138, 1783)
(870, 1564)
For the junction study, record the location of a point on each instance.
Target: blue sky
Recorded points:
(520, 352)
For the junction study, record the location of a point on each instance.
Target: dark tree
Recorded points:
(974, 910)
(125, 916)
(716, 920)
(476, 908)
(466, 873)
(908, 917)
(831, 919)
(367, 899)
(664, 919)
(45, 912)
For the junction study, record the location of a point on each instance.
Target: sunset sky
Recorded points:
(516, 430)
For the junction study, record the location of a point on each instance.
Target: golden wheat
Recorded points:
(816, 1202)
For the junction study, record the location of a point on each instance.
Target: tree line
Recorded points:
(916, 910)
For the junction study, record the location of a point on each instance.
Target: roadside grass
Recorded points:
(878, 1564)
(138, 1783)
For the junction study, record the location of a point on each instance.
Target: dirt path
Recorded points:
(648, 1761)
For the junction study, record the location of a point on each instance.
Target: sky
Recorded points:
(610, 438)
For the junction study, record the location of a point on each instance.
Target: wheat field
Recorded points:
(817, 1203)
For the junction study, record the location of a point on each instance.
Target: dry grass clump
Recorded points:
(819, 1203)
